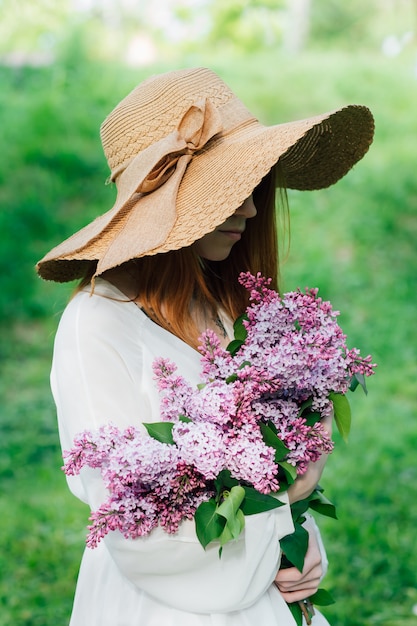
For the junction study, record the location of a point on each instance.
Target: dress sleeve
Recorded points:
(96, 378)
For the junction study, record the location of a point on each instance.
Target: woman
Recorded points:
(195, 175)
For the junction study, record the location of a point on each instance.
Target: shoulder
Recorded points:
(104, 313)
(105, 325)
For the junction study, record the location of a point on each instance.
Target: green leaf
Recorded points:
(312, 418)
(240, 334)
(298, 509)
(296, 613)
(184, 418)
(233, 528)
(358, 379)
(271, 439)
(295, 546)
(161, 431)
(234, 346)
(305, 405)
(319, 503)
(225, 537)
(230, 510)
(289, 471)
(239, 330)
(256, 502)
(224, 481)
(353, 383)
(231, 503)
(342, 414)
(208, 524)
(322, 598)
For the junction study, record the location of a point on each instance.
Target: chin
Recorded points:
(216, 258)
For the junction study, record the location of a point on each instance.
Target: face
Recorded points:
(216, 246)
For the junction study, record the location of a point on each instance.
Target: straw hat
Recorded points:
(185, 153)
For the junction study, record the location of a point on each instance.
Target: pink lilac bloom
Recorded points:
(91, 448)
(186, 491)
(306, 352)
(252, 461)
(147, 481)
(132, 515)
(138, 456)
(201, 445)
(358, 364)
(214, 402)
(177, 496)
(216, 361)
(175, 390)
(306, 443)
(246, 389)
(294, 352)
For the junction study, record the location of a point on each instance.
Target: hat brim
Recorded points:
(314, 153)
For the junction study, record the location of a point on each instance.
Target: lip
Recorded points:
(235, 235)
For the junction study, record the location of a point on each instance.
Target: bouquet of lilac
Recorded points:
(226, 448)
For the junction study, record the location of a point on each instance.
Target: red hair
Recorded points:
(168, 283)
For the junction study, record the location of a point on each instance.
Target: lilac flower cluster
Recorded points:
(294, 355)
(148, 482)
(297, 342)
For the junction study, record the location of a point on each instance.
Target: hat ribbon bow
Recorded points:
(148, 187)
(153, 166)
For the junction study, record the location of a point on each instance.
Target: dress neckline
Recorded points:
(106, 288)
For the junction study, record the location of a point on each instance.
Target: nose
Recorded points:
(247, 209)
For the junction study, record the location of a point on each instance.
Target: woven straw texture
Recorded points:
(185, 153)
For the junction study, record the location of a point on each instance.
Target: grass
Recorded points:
(42, 525)
(355, 241)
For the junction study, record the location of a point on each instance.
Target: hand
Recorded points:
(295, 585)
(305, 484)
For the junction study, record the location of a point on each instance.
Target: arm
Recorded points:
(295, 585)
(101, 374)
(306, 483)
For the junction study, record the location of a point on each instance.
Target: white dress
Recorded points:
(102, 372)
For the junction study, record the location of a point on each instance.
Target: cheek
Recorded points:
(207, 247)
(213, 247)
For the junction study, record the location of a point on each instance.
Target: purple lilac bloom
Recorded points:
(201, 445)
(252, 461)
(216, 361)
(215, 402)
(294, 352)
(175, 390)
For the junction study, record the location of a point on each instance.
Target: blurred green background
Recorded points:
(63, 66)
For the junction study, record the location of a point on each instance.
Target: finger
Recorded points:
(312, 561)
(297, 596)
(288, 588)
(312, 569)
(314, 581)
